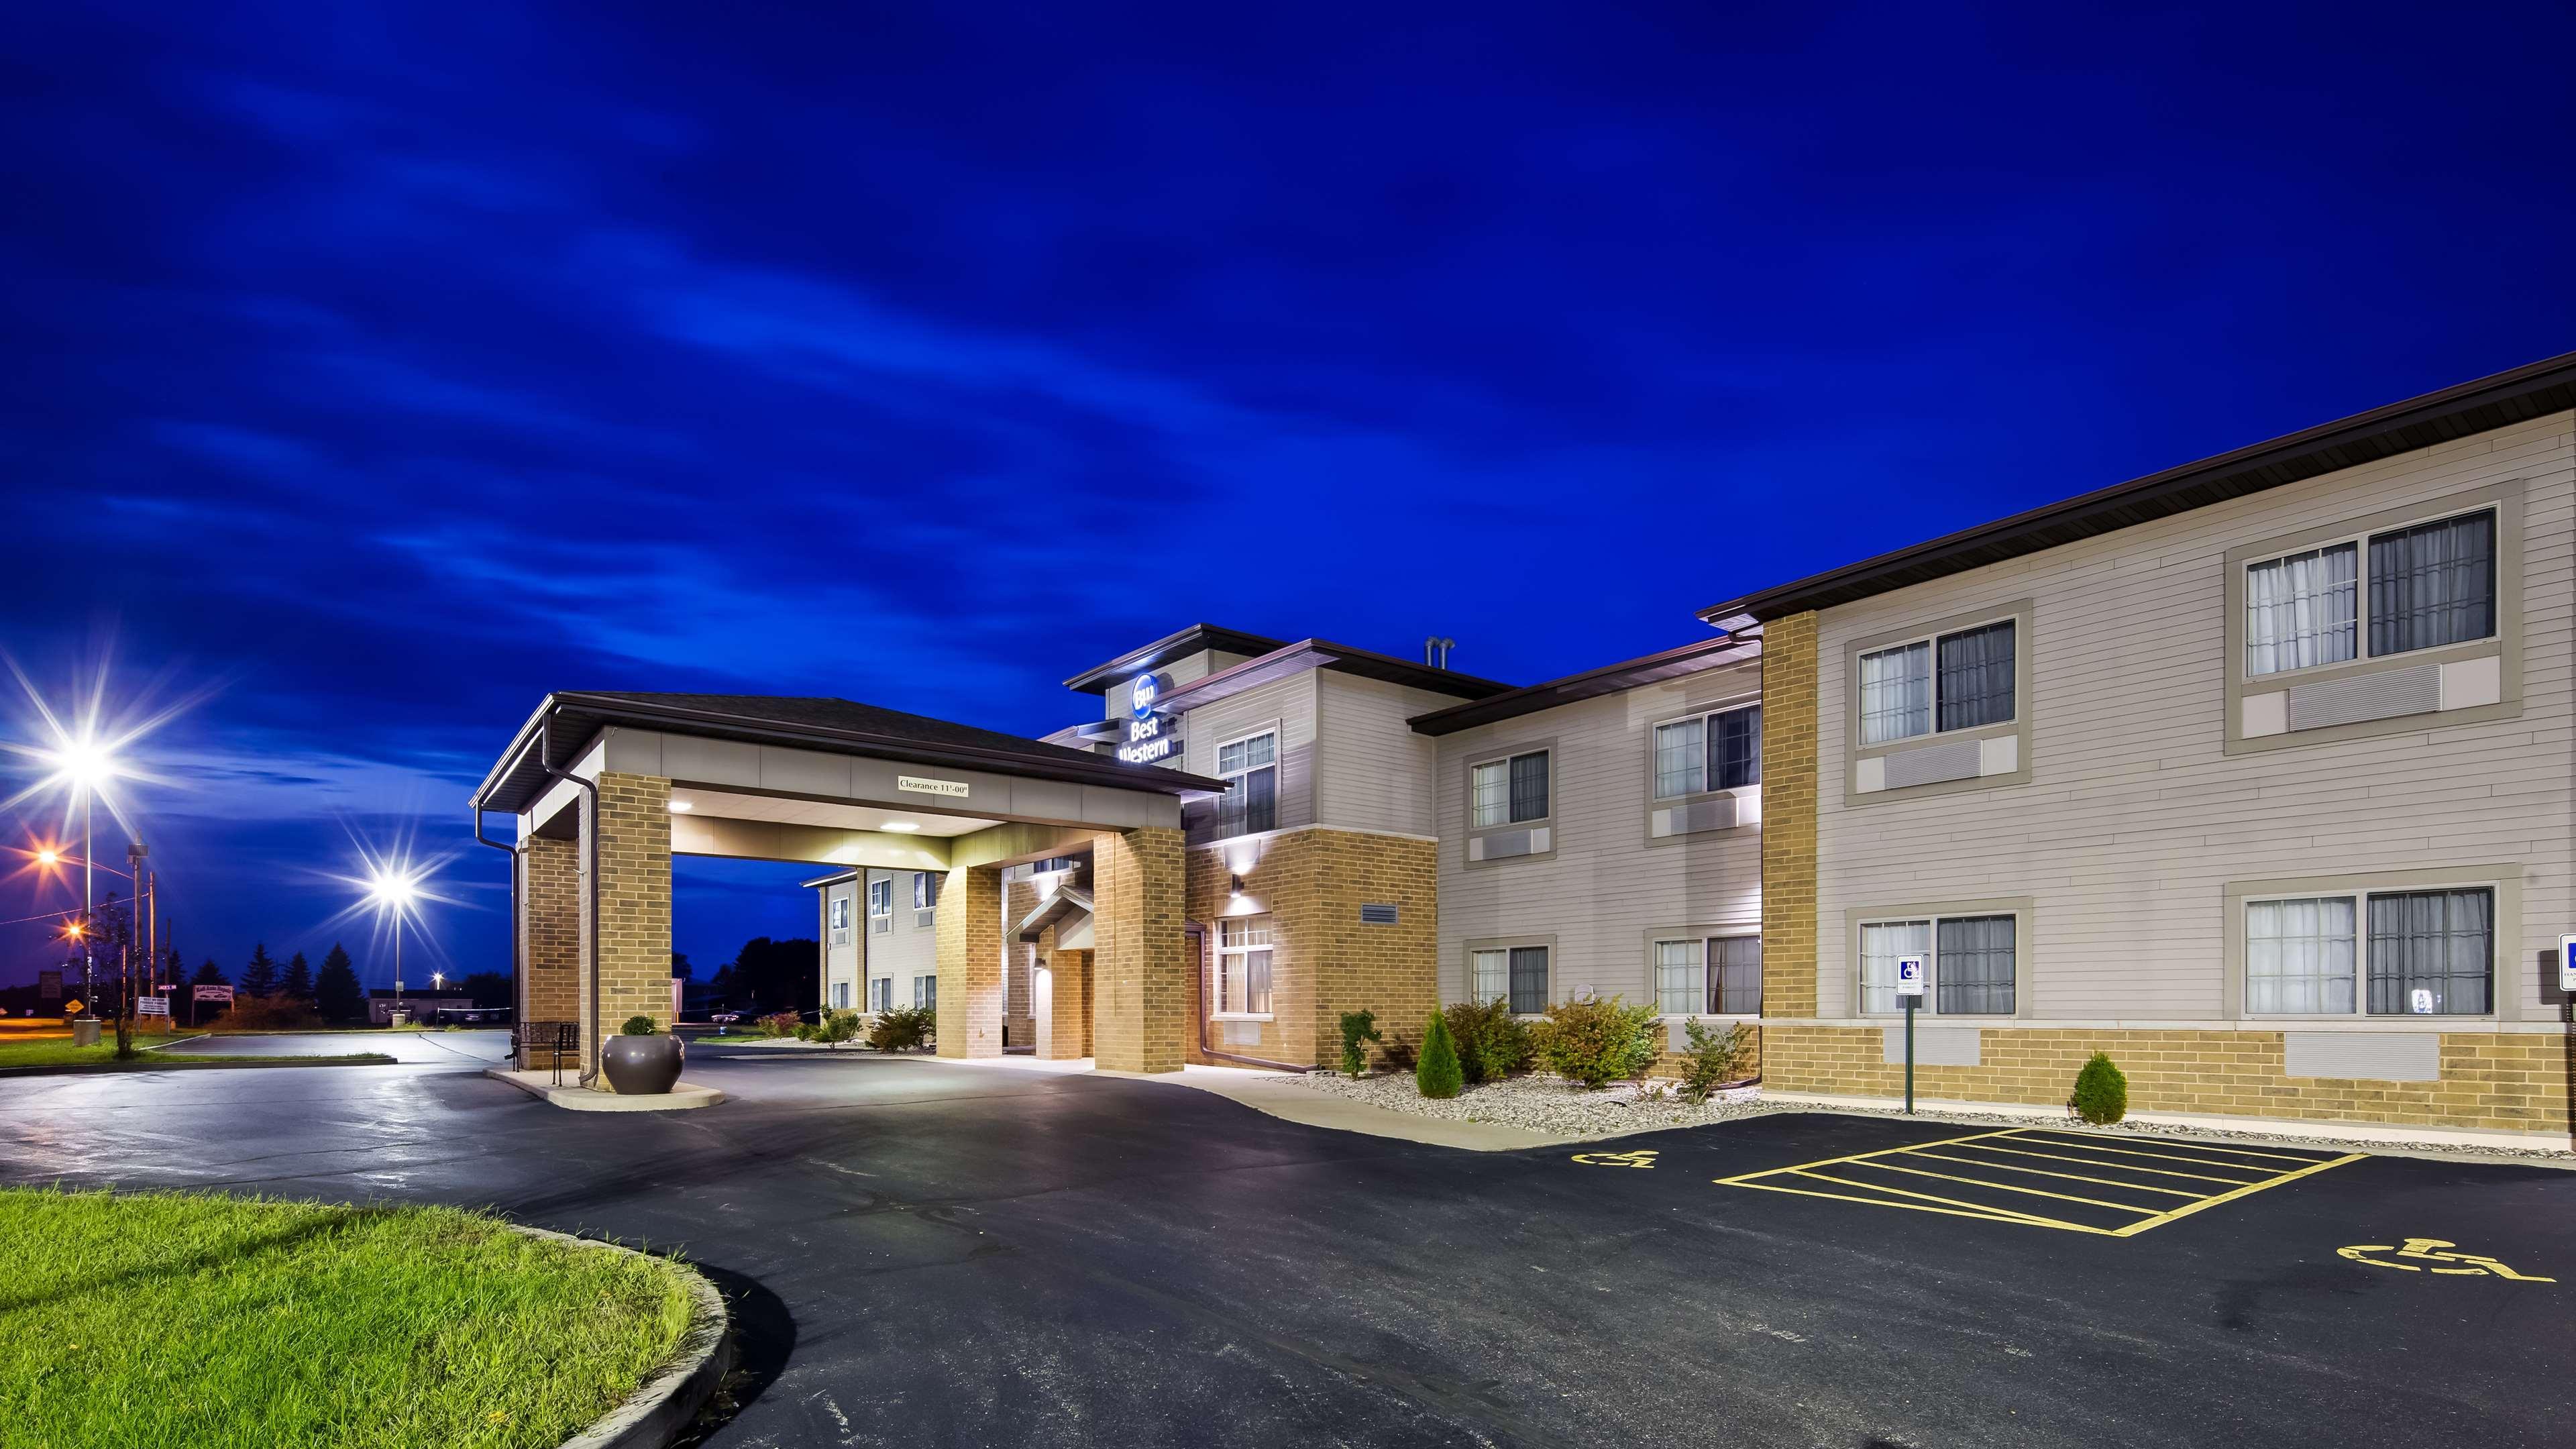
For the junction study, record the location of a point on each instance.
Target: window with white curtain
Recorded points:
(1681, 758)
(881, 994)
(1721, 750)
(2300, 956)
(925, 992)
(1973, 963)
(1243, 956)
(1509, 791)
(2371, 952)
(840, 913)
(881, 905)
(1735, 975)
(2301, 610)
(1956, 681)
(1493, 973)
(2420, 587)
(1250, 768)
(1679, 976)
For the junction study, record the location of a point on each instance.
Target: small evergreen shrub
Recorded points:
(1358, 1027)
(836, 1027)
(903, 1029)
(2101, 1092)
(637, 1026)
(1713, 1057)
(1438, 1075)
(1492, 1043)
(1592, 1042)
(804, 1031)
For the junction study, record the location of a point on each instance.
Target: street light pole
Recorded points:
(89, 952)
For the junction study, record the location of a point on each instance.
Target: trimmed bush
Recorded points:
(903, 1029)
(1592, 1042)
(2101, 1092)
(836, 1027)
(778, 1023)
(1715, 1057)
(1358, 1027)
(1492, 1043)
(1438, 1076)
(637, 1026)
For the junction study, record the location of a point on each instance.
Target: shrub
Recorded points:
(836, 1027)
(1439, 1076)
(903, 1029)
(637, 1026)
(267, 1013)
(804, 1031)
(2101, 1092)
(1400, 1055)
(1714, 1057)
(1592, 1042)
(778, 1023)
(1492, 1043)
(1357, 1027)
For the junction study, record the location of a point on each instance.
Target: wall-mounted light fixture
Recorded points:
(1235, 884)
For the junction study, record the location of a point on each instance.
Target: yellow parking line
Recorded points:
(2008, 1187)
(2069, 1176)
(2249, 1188)
(2007, 1214)
(2124, 1167)
(2159, 1156)
(2073, 1137)
(1882, 1152)
(1981, 1214)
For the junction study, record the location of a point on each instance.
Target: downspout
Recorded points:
(1198, 1008)
(518, 976)
(546, 761)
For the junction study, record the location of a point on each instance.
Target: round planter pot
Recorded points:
(642, 1066)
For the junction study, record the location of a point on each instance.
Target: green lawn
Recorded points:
(157, 1319)
(58, 1051)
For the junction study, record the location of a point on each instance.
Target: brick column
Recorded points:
(1070, 1029)
(969, 926)
(549, 928)
(634, 929)
(1789, 803)
(1141, 1000)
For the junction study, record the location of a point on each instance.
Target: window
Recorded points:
(2424, 953)
(841, 995)
(1510, 791)
(881, 905)
(1956, 681)
(1493, 972)
(1735, 975)
(2428, 584)
(1513, 974)
(1243, 966)
(925, 889)
(881, 994)
(1679, 977)
(925, 991)
(1720, 751)
(1973, 963)
(1250, 768)
(840, 913)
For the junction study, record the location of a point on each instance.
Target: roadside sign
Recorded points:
(152, 1006)
(1909, 976)
(49, 986)
(214, 993)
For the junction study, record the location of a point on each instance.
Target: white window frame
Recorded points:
(1932, 717)
(925, 897)
(1506, 945)
(880, 999)
(1245, 775)
(1505, 760)
(840, 996)
(1227, 957)
(1698, 987)
(925, 991)
(2361, 651)
(880, 906)
(840, 913)
(1707, 727)
(2497, 984)
(1931, 1002)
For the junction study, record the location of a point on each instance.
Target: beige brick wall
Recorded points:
(968, 922)
(1140, 959)
(1789, 816)
(550, 930)
(634, 926)
(1070, 1031)
(2513, 1083)
(1324, 962)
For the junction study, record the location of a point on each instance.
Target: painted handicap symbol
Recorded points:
(1616, 1159)
(2423, 1251)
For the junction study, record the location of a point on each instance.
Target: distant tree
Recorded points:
(173, 968)
(336, 992)
(210, 974)
(681, 970)
(486, 988)
(259, 978)
(769, 975)
(298, 985)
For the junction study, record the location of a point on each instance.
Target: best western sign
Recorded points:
(1153, 740)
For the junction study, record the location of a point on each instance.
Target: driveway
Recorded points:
(938, 1254)
(478, 1049)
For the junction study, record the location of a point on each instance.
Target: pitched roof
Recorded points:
(1690, 658)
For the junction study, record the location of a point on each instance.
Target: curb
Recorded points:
(683, 1096)
(668, 1403)
(178, 1064)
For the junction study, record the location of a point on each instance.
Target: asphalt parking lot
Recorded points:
(937, 1254)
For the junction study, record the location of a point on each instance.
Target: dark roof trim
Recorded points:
(1168, 648)
(518, 778)
(1322, 654)
(2455, 412)
(1692, 658)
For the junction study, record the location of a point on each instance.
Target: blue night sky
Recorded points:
(370, 374)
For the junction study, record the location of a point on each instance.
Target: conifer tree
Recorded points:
(337, 994)
(298, 985)
(259, 978)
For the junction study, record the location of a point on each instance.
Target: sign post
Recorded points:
(1909, 987)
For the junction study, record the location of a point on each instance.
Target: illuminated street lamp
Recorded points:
(394, 891)
(85, 765)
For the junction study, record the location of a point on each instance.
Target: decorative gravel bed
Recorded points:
(1548, 1104)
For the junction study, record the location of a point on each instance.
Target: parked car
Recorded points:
(725, 1018)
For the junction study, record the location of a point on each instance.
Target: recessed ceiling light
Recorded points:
(901, 827)
(681, 807)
